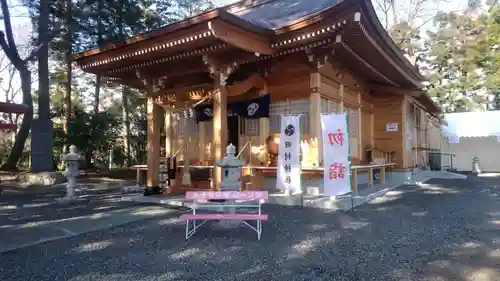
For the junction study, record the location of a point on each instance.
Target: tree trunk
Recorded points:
(43, 63)
(126, 126)
(97, 93)
(394, 12)
(69, 68)
(22, 135)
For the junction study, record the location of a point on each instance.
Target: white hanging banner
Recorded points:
(289, 172)
(336, 176)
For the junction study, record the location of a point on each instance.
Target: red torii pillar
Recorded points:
(15, 108)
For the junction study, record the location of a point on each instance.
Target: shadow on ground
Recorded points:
(442, 230)
(20, 205)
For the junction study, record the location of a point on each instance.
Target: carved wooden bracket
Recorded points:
(316, 58)
(153, 85)
(142, 78)
(219, 70)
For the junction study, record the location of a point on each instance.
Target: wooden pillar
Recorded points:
(155, 115)
(263, 134)
(315, 120)
(341, 95)
(202, 143)
(219, 128)
(168, 131)
(186, 177)
(404, 124)
(372, 127)
(361, 149)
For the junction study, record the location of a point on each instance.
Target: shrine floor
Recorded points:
(341, 203)
(442, 230)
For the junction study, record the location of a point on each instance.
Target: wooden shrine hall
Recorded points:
(289, 57)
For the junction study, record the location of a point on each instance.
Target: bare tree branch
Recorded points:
(10, 43)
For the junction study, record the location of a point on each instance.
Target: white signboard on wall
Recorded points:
(289, 172)
(336, 176)
(392, 127)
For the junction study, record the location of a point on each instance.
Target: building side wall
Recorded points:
(305, 91)
(389, 109)
(486, 149)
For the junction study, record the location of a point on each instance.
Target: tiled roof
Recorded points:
(280, 13)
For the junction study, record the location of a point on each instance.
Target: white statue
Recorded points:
(72, 171)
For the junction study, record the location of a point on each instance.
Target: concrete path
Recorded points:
(441, 230)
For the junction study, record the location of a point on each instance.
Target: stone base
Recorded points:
(132, 188)
(67, 200)
(43, 178)
(154, 190)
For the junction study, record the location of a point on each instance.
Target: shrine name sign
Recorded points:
(289, 172)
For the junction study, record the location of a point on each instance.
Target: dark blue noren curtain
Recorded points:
(252, 109)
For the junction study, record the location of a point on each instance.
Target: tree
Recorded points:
(8, 45)
(462, 61)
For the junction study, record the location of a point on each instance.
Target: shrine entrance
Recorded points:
(233, 131)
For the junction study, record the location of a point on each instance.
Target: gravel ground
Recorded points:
(18, 206)
(446, 230)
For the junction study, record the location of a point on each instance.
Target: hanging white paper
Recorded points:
(289, 172)
(336, 176)
(453, 139)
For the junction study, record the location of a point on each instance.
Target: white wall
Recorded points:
(486, 148)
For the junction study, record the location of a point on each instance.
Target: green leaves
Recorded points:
(462, 60)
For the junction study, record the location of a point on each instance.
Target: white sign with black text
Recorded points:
(289, 172)
(392, 127)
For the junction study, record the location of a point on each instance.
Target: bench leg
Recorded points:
(257, 228)
(190, 231)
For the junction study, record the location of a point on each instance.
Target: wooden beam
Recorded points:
(240, 38)
(254, 81)
(395, 90)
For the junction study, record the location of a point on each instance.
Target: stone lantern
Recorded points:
(231, 180)
(231, 177)
(72, 171)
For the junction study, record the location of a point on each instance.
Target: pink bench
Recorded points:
(234, 200)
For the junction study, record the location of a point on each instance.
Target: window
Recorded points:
(352, 130)
(209, 128)
(300, 107)
(334, 106)
(329, 106)
(289, 107)
(275, 111)
(249, 127)
(324, 106)
(186, 126)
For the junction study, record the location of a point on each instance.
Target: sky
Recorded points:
(22, 27)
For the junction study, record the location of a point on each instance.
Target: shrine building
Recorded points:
(227, 76)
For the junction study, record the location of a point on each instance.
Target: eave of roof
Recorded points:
(241, 14)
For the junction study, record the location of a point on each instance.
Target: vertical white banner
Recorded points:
(289, 172)
(336, 175)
